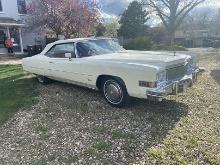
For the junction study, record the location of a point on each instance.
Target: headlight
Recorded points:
(190, 66)
(161, 76)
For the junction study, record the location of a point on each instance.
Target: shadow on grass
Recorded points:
(216, 75)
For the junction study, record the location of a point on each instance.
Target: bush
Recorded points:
(141, 43)
(168, 47)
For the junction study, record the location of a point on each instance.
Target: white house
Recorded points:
(12, 13)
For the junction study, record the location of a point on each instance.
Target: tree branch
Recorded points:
(166, 3)
(160, 13)
(187, 12)
(190, 5)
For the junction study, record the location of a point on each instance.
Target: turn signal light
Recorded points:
(147, 84)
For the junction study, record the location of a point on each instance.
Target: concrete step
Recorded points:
(3, 51)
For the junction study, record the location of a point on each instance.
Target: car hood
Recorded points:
(159, 59)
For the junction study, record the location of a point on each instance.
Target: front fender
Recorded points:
(130, 73)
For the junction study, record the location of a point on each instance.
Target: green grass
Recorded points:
(121, 135)
(156, 153)
(41, 162)
(101, 145)
(115, 134)
(42, 131)
(71, 159)
(16, 90)
(100, 130)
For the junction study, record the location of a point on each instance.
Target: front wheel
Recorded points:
(115, 92)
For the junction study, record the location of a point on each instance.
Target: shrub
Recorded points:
(141, 43)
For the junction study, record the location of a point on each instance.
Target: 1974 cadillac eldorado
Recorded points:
(102, 64)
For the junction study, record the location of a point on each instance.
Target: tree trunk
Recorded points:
(57, 35)
(172, 39)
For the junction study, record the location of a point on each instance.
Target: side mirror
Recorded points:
(68, 55)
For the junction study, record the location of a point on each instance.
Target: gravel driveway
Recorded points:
(70, 124)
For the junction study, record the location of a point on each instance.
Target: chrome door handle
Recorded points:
(51, 62)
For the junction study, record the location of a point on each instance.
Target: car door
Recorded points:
(62, 68)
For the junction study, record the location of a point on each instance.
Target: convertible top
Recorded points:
(79, 39)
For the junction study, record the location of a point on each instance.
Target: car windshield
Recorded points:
(97, 47)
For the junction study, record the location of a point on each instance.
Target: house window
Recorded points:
(21, 7)
(0, 5)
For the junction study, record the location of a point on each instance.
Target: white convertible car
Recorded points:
(102, 64)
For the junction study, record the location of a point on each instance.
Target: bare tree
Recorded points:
(198, 20)
(172, 12)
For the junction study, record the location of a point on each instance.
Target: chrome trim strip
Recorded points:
(74, 83)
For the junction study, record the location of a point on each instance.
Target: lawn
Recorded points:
(16, 90)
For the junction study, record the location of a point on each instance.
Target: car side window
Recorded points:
(82, 50)
(59, 50)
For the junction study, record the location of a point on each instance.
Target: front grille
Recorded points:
(176, 72)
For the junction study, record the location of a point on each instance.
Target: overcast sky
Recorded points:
(116, 7)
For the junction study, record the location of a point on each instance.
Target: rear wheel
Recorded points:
(43, 79)
(115, 92)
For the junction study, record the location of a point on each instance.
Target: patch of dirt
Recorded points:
(9, 60)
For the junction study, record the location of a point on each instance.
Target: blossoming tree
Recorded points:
(72, 18)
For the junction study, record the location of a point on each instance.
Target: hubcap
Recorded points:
(113, 92)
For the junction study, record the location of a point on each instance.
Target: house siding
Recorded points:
(10, 9)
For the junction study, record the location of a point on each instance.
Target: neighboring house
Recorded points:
(192, 38)
(12, 14)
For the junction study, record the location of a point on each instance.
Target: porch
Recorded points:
(13, 29)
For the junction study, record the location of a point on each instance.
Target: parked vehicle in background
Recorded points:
(102, 64)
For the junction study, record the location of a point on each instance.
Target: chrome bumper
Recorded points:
(173, 87)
